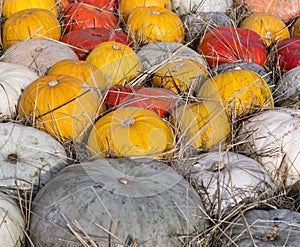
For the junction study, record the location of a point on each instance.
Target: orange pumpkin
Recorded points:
(118, 62)
(10, 7)
(126, 6)
(61, 105)
(284, 9)
(295, 27)
(131, 131)
(82, 70)
(150, 24)
(180, 76)
(203, 125)
(270, 27)
(30, 24)
(241, 91)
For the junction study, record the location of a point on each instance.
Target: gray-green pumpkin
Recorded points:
(263, 228)
(115, 202)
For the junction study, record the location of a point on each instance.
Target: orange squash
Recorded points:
(30, 24)
(150, 24)
(131, 131)
(204, 125)
(118, 62)
(10, 7)
(242, 92)
(270, 27)
(61, 105)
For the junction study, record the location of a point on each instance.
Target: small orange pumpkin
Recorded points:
(180, 76)
(10, 7)
(30, 24)
(82, 70)
(204, 125)
(61, 105)
(118, 62)
(126, 6)
(131, 131)
(241, 91)
(270, 27)
(150, 24)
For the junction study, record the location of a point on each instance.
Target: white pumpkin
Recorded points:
(287, 90)
(273, 138)
(12, 226)
(227, 178)
(38, 54)
(182, 7)
(28, 157)
(13, 79)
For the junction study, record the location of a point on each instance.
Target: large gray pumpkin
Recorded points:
(273, 228)
(29, 157)
(116, 202)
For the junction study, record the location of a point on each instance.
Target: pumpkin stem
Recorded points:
(52, 83)
(116, 47)
(218, 166)
(127, 122)
(124, 181)
(155, 13)
(12, 158)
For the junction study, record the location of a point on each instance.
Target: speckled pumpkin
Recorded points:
(242, 92)
(117, 202)
(61, 105)
(131, 131)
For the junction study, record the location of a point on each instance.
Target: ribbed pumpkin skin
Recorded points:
(242, 92)
(30, 24)
(10, 7)
(270, 27)
(61, 105)
(130, 131)
(180, 76)
(82, 70)
(118, 62)
(151, 24)
(196, 124)
(126, 6)
(155, 207)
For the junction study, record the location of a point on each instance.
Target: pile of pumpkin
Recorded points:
(149, 122)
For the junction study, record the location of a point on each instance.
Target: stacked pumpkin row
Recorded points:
(146, 94)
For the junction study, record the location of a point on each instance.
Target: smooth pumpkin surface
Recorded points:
(203, 125)
(130, 131)
(10, 7)
(151, 24)
(270, 27)
(118, 62)
(242, 92)
(30, 24)
(117, 202)
(61, 105)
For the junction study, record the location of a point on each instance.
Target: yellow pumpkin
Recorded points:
(126, 6)
(30, 24)
(61, 105)
(203, 125)
(118, 62)
(270, 27)
(242, 92)
(80, 69)
(10, 7)
(151, 24)
(180, 76)
(131, 131)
